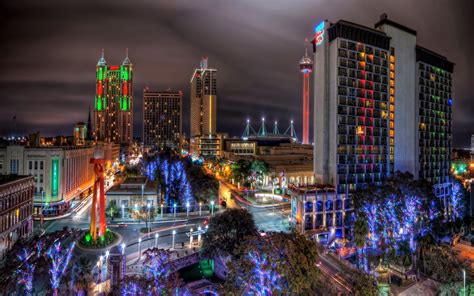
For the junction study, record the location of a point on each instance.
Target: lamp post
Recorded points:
(212, 208)
(148, 218)
(123, 248)
(174, 235)
(464, 280)
(187, 209)
(123, 211)
(200, 205)
(100, 268)
(157, 235)
(174, 211)
(191, 238)
(161, 212)
(139, 248)
(199, 234)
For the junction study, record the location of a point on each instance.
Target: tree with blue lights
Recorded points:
(158, 269)
(59, 261)
(25, 271)
(456, 202)
(169, 171)
(402, 209)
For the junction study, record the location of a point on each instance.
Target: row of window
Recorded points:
(360, 47)
(434, 70)
(358, 169)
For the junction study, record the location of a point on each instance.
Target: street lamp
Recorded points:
(199, 234)
(139, 248)
(123, 248)
(174, 211)
(174, 235)
(148, 218)
(157, 235)
(200, 205)
(464, 280)
(100, 268)
(191, 238)
(123, 211)
(212, 207)
(187, 209)
(161, 213)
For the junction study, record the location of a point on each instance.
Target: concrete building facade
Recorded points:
(60, 174)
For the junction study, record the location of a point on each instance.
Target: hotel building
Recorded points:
(113, 102)
(382, 104)
(162, 119)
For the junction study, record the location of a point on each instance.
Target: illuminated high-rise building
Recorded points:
(162, 119)
(113, 103)
(203, 137)
(203, 100)
(306, 67)
(382, 104)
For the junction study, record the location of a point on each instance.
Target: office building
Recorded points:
(162, 119)
(16, 209)
(203, 100)
(382, 104)
(203, 137)
(113, 103)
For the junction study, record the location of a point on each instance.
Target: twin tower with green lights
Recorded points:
(113, 103)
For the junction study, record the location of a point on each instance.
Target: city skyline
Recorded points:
(39, 78)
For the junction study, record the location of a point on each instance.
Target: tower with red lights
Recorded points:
(113, 103)
(306, 67)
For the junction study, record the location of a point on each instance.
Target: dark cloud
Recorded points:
(49, 50)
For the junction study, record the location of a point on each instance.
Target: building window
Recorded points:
(41, 165)
(14, 166)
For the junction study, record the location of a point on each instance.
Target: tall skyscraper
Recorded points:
(204, 139)
(162, 118)
(203, 100)
(306, 67)
(382, 104)
(113, 103)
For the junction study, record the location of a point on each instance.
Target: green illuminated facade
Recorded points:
(54, 178)
(113, 103)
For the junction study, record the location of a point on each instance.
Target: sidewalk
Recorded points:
(180, 217)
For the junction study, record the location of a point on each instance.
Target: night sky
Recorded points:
(49, 50)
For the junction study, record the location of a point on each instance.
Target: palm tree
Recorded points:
(361, 228)
(425, 243)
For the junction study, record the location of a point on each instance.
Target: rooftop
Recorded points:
(4, 179)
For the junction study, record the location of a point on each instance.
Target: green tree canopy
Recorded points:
(227, 230)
